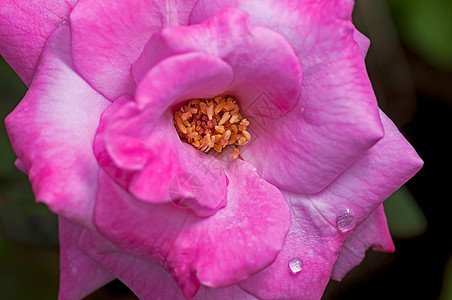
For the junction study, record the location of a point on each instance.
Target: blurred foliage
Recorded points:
(426, 27)
(28, 272)
(12, 90)
(28, 231)
(26, 222)
(446, 291)
(405, 217)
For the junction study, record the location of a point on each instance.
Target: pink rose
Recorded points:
(112, 145)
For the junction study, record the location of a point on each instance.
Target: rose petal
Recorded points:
(21, 166)
(312, 240)
(365, 185)
(244, 236)
(79, 274)
(371, 234)
(262, 61)
(362, 41)
(108, 36)
(383, 169)
(25, 27)
(229, 246)
(52, 130)
(140, 229)
(148, 133)
(233, 292)
(148, 280)
(336, 119)
(182, 77)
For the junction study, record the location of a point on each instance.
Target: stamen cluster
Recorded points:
(212, 123)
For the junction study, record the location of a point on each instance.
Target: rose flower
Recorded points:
(205, 149)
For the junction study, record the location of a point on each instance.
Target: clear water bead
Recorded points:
(296, 265)
(345, 221)
(64, 23)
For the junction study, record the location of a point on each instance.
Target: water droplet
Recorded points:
(296, 265)
(64, 23)
(345, 221)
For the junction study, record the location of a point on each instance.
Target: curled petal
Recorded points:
(336, 119)
(311, 240)
(233, 292)
(108, 36)
(79, 274)
(149, 280)
(262, 61)
(52, 130)
(372, 234)
(182, 77)
(146, 279)
(245, 236)
(372, 179)
(362, 41)
(140, 148)
(321, 223)
(232, 244)
(25, 27)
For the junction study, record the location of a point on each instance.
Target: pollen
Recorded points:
(212, 124)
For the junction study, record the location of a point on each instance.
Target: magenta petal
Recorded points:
(142, 229)
(336, 119)
(362, 41)
(233, 292)
(20, 165)
(145, 279)
(108, 36)
(25, 27)
(261, 59)
(243, 237)
(371, 234)
(310, 239)
(180, 78)
(52, 132)
(232, 244)
(148, 280)
(323, 222)
(137, 143)
(365, 185)
(79, 274)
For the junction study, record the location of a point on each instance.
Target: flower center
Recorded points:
(212, 123)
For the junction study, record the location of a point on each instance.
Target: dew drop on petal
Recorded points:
(64, 23)
(296, 265)
(345, 221)
(302, 110)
